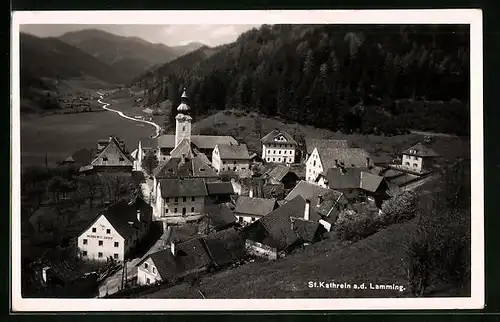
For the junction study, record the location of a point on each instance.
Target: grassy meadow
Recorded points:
(61, 135)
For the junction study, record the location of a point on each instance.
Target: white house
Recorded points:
(115, 231)
(180, 199)
(323, 159)
(177, 260)
(418, 158)
(229, 157)
(278, 147)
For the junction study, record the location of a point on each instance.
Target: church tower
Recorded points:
(183, 121)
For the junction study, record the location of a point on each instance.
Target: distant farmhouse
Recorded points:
(115, 231)
(112, 156)
(419, 158)
(278, 147)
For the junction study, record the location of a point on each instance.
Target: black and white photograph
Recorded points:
(251, 160)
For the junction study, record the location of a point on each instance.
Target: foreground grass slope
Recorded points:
(376, 259)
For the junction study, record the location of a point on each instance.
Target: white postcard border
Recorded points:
(448, 16)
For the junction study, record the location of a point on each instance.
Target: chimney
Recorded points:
(110, 138)
(44, 273)
(306, 209)
(172, 247)
(320, 200)
(250, 193)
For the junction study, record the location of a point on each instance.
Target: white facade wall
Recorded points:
(221, 164)
(313, 166)
(175, 206)
(101, 230)
(278, 152)
(412, 162)
(147, 273)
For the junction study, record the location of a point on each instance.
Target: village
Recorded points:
(206, 203)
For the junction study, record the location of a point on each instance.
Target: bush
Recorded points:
(399, 208)
(353, 226)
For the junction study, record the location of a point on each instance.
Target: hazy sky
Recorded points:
(173, 35)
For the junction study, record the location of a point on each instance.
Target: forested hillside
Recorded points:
(368, 79)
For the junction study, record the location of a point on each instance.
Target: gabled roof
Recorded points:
(278, 223)
(114, 148)
(321, 144)
(277, 173)
(254, 206)
(190, 255)
(270, 137)
(123, 216)
(420, 150)
(192, 167)
(200, 141)
(210, 141)
(349, 158)
(312, 191)
(235, 152)
(220, 214)
(182, 149)
(190, 187)
(220, 188)
(352, 178)
(225, 246)
(305, 229)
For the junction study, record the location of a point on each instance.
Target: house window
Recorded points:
(279, 151)
(99, 254)
(268, 159)
(240, 219)
(192, 198)
(183, 199)
(105, 159)
(121, 159)
(268, 151)
(407, 163)
(192, 209)
(253, 218)
(115, 256)
(314, 163)
(176, 199)
(414, 165)
(84, 253)
(166, 210)
(147, 280)
(234, 162)
(108, 231)
(146, 265)
(273, 159)
(85, 242)
(101, 243)
(154, 270)
(175, 209)
(116, 244)
(183, 128)
(94, 230)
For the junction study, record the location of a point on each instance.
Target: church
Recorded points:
(183, 143)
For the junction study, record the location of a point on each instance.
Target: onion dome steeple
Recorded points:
(183, 107)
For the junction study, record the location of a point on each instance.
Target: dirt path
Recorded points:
(105, 106)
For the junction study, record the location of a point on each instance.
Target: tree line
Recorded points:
(378, 79)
